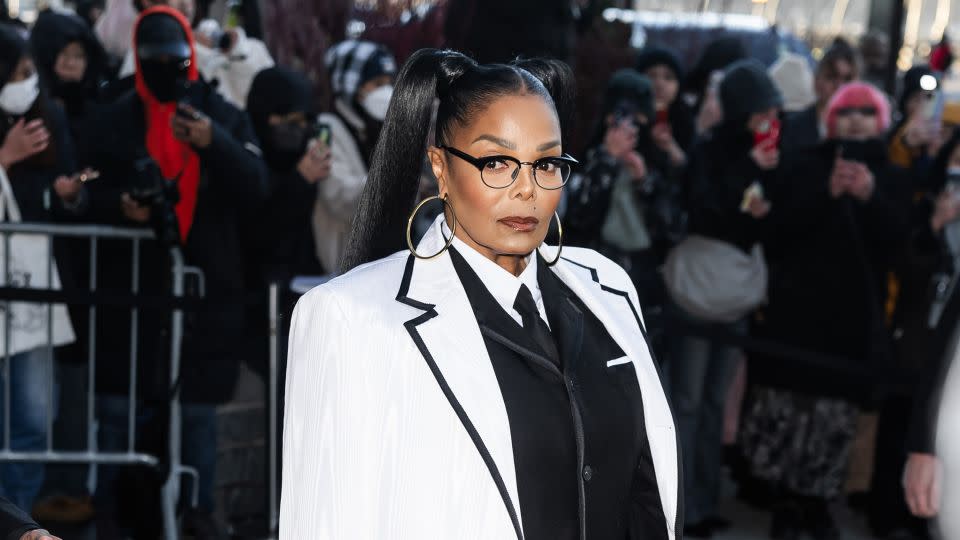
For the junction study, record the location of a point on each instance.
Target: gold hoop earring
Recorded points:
(559, 242)
(453, 229)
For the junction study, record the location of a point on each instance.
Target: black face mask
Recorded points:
(286, 145)
(167, 81)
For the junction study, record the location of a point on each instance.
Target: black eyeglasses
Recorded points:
(867, 110)
(499, 172)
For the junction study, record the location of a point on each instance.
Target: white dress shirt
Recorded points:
(503, 285)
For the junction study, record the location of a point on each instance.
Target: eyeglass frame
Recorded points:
(480, 162)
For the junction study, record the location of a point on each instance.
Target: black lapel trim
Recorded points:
(678, 526)
(411, 326)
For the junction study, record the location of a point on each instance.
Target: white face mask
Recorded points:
(17, 98)
(377, 102)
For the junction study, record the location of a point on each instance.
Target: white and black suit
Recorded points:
(447, 398)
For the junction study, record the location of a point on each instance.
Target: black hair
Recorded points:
(840, 51)
(463, 88)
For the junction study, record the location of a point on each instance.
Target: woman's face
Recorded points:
(71, 64)
(857, 122)
(511, 221)
(665, 86)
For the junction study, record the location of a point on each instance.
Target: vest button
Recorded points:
(587, 473)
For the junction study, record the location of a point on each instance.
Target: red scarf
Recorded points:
(176, 159)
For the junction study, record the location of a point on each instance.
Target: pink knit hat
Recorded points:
(858, 94)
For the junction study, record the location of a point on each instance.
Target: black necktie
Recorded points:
(534, 324)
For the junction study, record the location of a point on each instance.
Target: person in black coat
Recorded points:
(281, 244)
(929, 316)
(15, 524)
(174, 127)
(36, 155)
(841, 215)
(72, 65)
(728, 176)
(673, 132)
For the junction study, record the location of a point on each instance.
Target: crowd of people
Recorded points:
(795, 217)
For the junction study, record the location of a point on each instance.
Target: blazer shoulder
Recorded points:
(369, 289)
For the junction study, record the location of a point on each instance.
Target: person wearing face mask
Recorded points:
(176, 130)
(281, 244)
(361, 77)
(71, 63)
(841, 217)
(37, 157)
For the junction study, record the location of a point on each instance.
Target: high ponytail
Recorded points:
(464, 88)
(394, 177)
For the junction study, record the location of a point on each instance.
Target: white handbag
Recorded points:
(715, 281)
(28, 268)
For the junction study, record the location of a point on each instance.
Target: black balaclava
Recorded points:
(164, 51)
(281, 91)
(52, 33)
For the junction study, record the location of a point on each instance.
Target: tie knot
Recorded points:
(524, 303)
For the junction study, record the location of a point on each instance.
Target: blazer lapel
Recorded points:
(622, 319)
(449, 338)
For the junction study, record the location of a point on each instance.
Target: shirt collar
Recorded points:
(503, 285)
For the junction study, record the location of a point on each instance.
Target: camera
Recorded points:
(150, 188)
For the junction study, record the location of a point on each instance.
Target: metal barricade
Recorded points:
(94, 233)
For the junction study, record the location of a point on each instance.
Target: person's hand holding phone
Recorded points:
(316, 163)
(192, 127)
(68, 188)
(620, 139)
(24, 140)
(133, 210)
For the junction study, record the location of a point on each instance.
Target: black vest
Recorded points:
(580, 447)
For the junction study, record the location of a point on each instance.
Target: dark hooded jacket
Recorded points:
(829, 261)
(284, 240)
(721, 168)
(51, 34)
(231, 189)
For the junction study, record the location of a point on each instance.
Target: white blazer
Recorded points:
(395, 427)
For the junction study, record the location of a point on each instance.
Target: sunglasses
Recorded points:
(867, 110)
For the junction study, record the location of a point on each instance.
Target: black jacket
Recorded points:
(829, 262)
(801, 131)
(232, 187)
(720, 171)
(14, 522)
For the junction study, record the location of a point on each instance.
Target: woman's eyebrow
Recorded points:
(547, 146)
(496, 140)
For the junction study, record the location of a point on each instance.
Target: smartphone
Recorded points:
(768, 134)
(187, 114)
(663, 117)
(322, 133)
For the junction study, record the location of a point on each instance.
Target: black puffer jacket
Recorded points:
(232, 187)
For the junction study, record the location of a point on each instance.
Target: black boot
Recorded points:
(819, 520)
(787, 520)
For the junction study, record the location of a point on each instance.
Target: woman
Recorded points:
(672, 132)
(71, 63)
(729, 173)
(361, 75)
(453, 412)
(840, 219)
(37, 157)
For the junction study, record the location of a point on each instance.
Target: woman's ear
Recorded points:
(438, 165)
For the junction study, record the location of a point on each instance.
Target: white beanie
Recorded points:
(794, 78)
